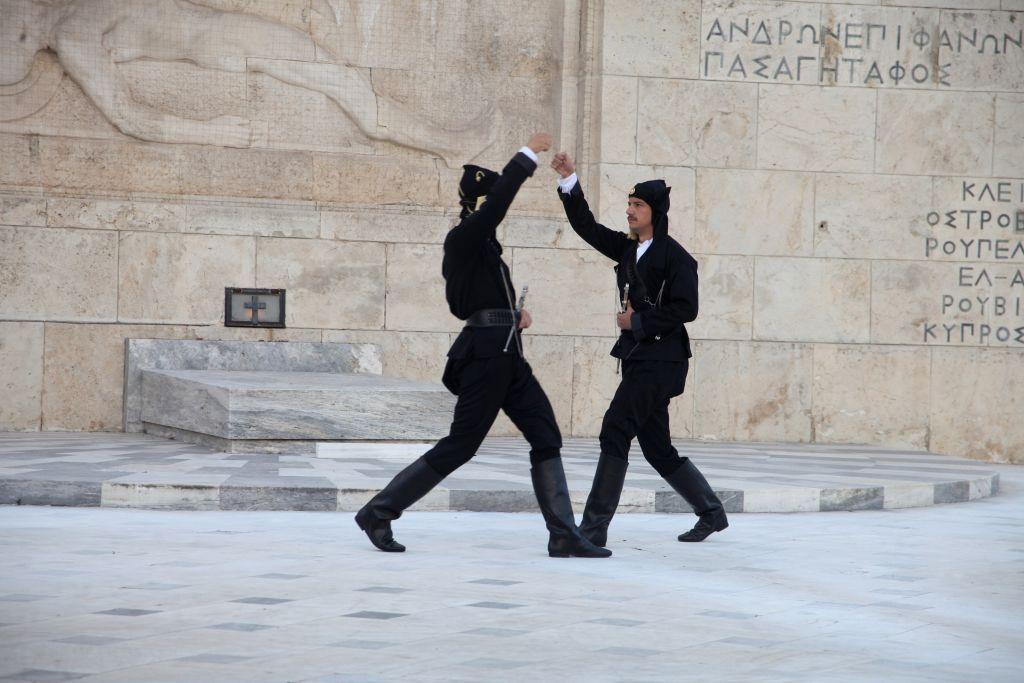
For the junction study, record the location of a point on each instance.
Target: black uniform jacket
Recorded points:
(662, 285)
(475, 275)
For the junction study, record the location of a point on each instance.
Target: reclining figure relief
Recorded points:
(89, 38)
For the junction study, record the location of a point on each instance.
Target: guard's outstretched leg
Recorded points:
(695, 490)
(553, 497)
(408, 486)
(609, 478)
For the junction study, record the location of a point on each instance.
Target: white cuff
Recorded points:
(530, 153)
(566, 184)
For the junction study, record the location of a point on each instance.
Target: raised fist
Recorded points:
(540, 142)
(562, 163)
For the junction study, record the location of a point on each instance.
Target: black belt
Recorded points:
(490, 317)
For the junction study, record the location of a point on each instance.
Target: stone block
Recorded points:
(186, 90)
(871, 394)
(251, 355)
(295, 405)
(268, 174)
(815, 129)
(613, 191)
(19, 210)
(742, 40)
(330, 284)
(83, 372)
(116, 214)
(726, 298)
(385, 224)
(754, 212)
(657, 38)
(415, 290)
(549, 232)
(975, 220)
(748, 391)
(823, 300)
(958, 4)
(937, 133)
(944, 303)
(267, 218)
(58, 274)
(417, 356)
(571, 292)
(21, 376)
(1009, 144)
(181, 278)
(868, 216)
(22, 164)
(358, 178)
(975, 406)
(619, 105)
(984, 50)
(690, 123)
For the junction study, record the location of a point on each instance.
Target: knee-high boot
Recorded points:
(553, 497)
(695, 490)
(408, 486)
(604, 498)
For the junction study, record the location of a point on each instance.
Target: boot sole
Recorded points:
(374, 543)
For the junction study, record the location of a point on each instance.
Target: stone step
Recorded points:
(269, 406)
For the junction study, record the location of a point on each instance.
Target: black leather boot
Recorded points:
(408, 486)
(553, 497)
(695, 490)
(604, 499)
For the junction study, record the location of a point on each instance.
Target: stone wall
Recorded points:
(850, 177)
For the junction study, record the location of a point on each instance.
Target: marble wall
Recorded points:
(850, 177)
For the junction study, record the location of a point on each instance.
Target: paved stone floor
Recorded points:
(921, 594)
(139, 470)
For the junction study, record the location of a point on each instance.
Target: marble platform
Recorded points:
(143, 471)
(245, 406)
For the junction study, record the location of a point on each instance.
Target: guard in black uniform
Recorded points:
(653, 347)
(486, 368)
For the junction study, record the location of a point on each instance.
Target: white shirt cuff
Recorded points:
(566, 184)
(530, 153)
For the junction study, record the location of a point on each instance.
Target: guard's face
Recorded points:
(638, 214)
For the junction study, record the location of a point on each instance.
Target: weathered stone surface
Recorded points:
(613, 190)
(571, 292)
(657, 38)
(871, 394)
(83, 372)
(181, 278)
(21, 376)
(736, 33)
(726, 298)
(917, 303)
(752, 391)
(937, 133)
(754, 212)
(17, 210)
(294, 405)
(415, 290)
(815, 129)
(1009, 145)
(997, 60)
(385, 224)
(989, 427)
(267, 218)
(619, 105)
(329, 284)
(269, 174)
(116, 214)
(694, 123)
(975, 220)
(21, 160)
(58, 274)
(267, 334)
(186, 90)
(552, 232)
(868, 216)
(823, 300)
(358, 178)
(251, 355)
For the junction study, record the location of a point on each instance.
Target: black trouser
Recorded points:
(640, 409)
(485, 386)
